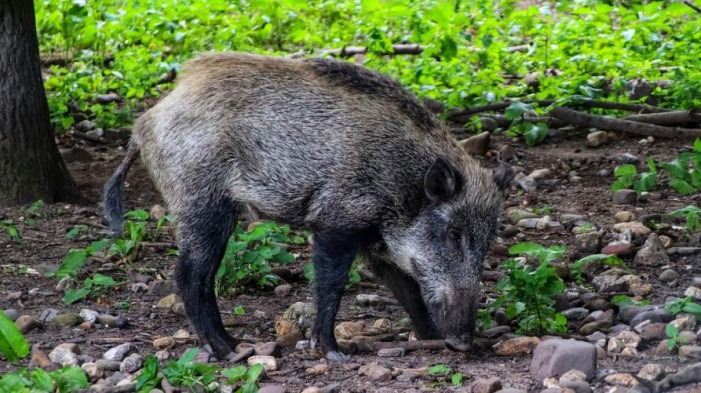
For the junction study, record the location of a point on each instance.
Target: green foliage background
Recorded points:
(600, 48)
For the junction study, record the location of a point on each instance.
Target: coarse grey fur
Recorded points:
(329, 146)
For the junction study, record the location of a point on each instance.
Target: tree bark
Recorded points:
(31, 167)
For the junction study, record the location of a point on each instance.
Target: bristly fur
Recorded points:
(325, 145)
(113, 193)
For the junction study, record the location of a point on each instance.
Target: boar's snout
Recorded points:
(454, 314)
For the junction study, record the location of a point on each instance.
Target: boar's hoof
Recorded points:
(455, 344)
(229, 356)
(337, 357)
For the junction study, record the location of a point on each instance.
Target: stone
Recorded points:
(527, 184)
(516, 346)
(694, 292)
(376, 372)
(65, 354)
(92, 371)
(654, 332)
(510, 390)
(106, 98)
(621, 379)
(666, 241)
(496, 331)
(283, 290)
(269, 363)
(652, 253)
(84, 125)
(624, 216)
(383, 324)
(391, 352)
(107, 320)
(476, 145)
(27, 323)
(311, 389)
(290, 339)
(515, 215)
(75, 154)
(157, 212)
(650, 316)
(576, 387)
(589, 242)
(687, 375)
(167, 302)
(268, 349)
(617, 248)
(573, 375)
(605, 283)
(89, 315)
(627, 313)
(486, 385)
(162, 287)
(576, 313)
(302, 314)
(625, 339)
(668, 275)
(138, 287)
(625, 197)
(131, 363)
(41, 360)
(66, 320)
(162, 343)
(651, 372)
(539, 174)
(319, 369)
(11, 314)
(690, 352)
(331, 388)
(284, 327)
(636, 228)
(119, 352)
(595, 326)
(598, 138)
(108, 365)
(684, 322)
(687, 337)
(553, 358)
(348, 329)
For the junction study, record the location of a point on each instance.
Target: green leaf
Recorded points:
(42, 379)
(535, 134)
(516, 109)
(646, 183)
(235, 374)
(439, 369)
(625, 170)
(697, 145)
(102, 280)
(456, 380)
(677, 168)
(239, 310)
(12, 343)
(71, 263)
(682, 187)
(69, 379)
(525, 248)
(73, 295)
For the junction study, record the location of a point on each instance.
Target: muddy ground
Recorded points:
(44, 245)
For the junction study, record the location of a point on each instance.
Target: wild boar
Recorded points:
(332, 147)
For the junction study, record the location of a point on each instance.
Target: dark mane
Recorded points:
(364, 81)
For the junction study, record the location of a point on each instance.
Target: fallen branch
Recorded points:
(478, 343)
(461, 114)
(692, 6)
(397, 49)
(582, 119)
(666, 118)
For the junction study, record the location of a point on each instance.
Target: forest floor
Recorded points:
(586, 192)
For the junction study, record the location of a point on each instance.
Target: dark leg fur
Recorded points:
(407, 291)
(205, 230)
(333, 256)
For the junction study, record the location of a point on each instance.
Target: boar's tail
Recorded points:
(112, 194)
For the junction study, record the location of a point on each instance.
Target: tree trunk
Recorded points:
(31, 167)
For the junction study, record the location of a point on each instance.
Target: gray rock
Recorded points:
(376, 372)
(669, 275)
(651, 316)
(577, 386)
(268, 349)
(516, 215)
(96, 133)
(89, 315)
(106, 98)
(624, 197)
(627, 313)
(510, 390)
(301, 313)
(272, 389)
(606, 283)
(332, 388)
(283, 290)
(115, 134)
(486, 385)
(47, 315)
(119, 352)
(690, 352)
(65, 354)
(476, 145)
(553, 358)
(687, 375)
(66, 320)
(162, 287)
(84, 125)
(92, 371)
(526, 183)
(654, 332)
(131, 363)
(75, 154)
(576, 313)
(652, 253)
(589, 242)
(598, 138)
(108, 365)
(496, 331)
(11, 314)
(627, 158)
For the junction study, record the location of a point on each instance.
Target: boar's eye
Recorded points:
(454, 238)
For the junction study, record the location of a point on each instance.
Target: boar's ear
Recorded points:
(503, 175)
(442, 181)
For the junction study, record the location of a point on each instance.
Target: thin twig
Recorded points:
(693, 6)
(667, 118)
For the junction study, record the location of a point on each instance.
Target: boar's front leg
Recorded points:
(333, 255)
(408, 292)
(204, 231)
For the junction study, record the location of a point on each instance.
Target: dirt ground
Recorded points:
(44, 245)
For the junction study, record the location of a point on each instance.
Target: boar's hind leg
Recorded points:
(408, 292)
(204, 231)
(333, 255)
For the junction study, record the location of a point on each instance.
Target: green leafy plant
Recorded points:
(75, 231)
(11, 230)
(625, 300)
(65, 380)
(690, 214)
(12, 343)
(246, 377)
(92, 287)
(353, 274)
(76, 258)
(686, 305)
(527, 292)
(30, 215)
(627, 176)
(606, 259)
(187, 373)
(672, 333)
(683, 178)
(446, 374)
